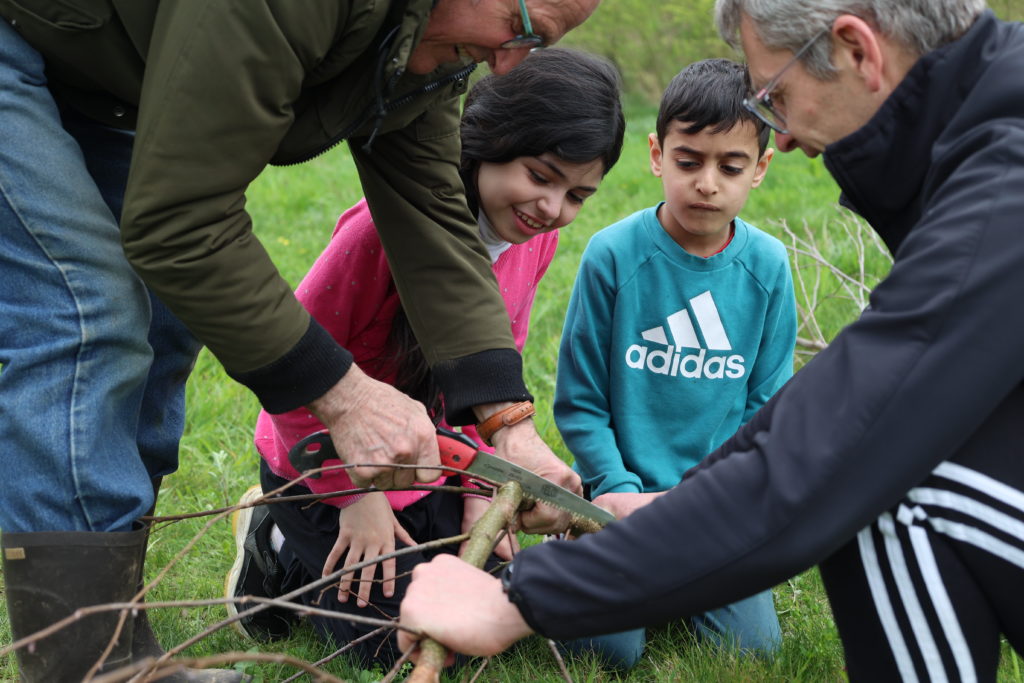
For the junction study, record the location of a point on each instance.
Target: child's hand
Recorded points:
(367, 529)
(473, 509)
(623, 504)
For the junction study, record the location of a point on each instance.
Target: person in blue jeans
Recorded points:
(681, 325)
(130, 134)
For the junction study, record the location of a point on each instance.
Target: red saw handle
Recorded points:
(457, 450)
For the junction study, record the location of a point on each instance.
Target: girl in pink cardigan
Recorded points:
(536, 144)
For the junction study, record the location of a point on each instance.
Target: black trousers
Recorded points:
(924, 592)
(310, 532)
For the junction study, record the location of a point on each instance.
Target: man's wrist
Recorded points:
(506, 580)
(505, 416)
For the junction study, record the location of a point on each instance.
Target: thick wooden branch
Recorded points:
(482, 538)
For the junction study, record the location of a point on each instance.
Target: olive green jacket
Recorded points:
(216, 90)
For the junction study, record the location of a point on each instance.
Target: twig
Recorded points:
(174, 666)
(274, 496)
(558, 658)
(811, 343)
(323, 581)
(342, 650)
(480, 670)
(397, 666)
(262, 603)
(301, 610)
(818, 280)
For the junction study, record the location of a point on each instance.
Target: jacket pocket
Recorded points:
(63, 15)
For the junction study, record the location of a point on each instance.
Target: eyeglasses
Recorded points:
(760, 103)
(527, 38)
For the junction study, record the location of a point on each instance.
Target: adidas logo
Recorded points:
(672, 361)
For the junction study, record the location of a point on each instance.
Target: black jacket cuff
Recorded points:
(486, 377)
(509, 585)
(306, 372)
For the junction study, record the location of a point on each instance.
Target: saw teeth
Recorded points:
(575, 515)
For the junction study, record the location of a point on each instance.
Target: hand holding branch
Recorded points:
(520, 443)
(444, 583)
(435, 604)
(372, 422)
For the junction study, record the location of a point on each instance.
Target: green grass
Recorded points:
(294, 210)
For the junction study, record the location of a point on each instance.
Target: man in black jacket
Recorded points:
(893, 458)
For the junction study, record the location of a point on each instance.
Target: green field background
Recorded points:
(294, 210)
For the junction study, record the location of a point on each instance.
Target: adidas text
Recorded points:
(693, 366)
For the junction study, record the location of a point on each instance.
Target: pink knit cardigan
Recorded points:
(350, 292)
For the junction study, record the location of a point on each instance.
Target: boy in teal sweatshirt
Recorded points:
(682, 323)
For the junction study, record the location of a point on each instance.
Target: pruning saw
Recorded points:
(460, 454)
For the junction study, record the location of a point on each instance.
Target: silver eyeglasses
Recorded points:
(760, 103)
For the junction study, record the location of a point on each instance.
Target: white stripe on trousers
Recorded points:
(873, 571)
(937, 596)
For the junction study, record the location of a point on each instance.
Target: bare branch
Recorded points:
(160, 670)
(500, 513)
(397, 666)
(342, 650)
(829, 293)
(480, 669)
(558, 658)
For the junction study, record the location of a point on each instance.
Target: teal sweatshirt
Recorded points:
(665, 354)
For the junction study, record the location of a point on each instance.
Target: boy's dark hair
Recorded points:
(557, 100)
(709, 93)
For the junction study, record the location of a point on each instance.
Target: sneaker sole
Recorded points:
(239, 528)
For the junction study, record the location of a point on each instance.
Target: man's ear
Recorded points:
(761, 169)
(652, 142)
(858, 44)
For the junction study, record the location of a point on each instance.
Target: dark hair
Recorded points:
(556, 100)
(709, 93)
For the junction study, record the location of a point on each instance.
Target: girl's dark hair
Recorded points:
(412, 372)
(557, 100)
(706, 94)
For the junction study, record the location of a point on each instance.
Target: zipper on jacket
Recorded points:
(388, 106)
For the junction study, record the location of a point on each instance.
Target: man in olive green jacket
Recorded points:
(156, 116)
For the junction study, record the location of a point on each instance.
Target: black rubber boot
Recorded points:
(48, 576)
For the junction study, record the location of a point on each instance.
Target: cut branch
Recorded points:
(482, 538)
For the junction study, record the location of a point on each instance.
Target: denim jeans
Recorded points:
(87, 416)
(749, 626)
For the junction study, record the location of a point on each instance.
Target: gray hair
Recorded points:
(919, 25)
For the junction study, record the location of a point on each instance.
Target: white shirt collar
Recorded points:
(495, 245)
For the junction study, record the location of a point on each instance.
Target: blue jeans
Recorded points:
(93, 367)
(750, 626)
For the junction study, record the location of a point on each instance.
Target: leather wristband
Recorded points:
(503, 418)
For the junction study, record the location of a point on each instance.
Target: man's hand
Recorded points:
(624, 504)
(372, 422)
(520, 443)
(367, 529)
(461, 607)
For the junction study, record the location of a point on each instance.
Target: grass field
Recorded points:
(294, 210)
